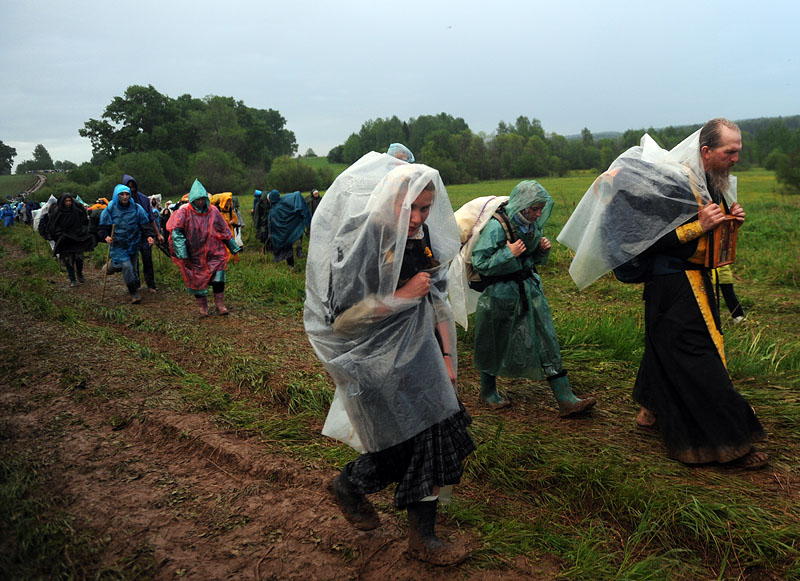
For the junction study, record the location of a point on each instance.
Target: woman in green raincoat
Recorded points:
(514, 332)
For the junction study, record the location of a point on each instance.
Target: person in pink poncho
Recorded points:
(198, 240)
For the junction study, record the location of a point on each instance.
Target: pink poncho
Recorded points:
(205, 241)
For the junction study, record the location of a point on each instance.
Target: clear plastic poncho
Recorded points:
(382, 351)
(645, 193)
(41, 212)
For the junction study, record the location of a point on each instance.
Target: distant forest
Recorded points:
(524, 149)
(166, 142)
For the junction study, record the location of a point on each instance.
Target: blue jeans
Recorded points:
(129, 272)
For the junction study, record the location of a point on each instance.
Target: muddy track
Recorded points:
(168, 493)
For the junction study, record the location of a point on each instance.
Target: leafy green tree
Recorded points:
(586, 137)
(41, 157)
(336, 154)
(7, 155)
(289, 174)
(775, 159)
(472, 158)
(65, 165)
(787, 170)
(529, 127)
(217, 125)
(41, 161)
(310, 153)
(85, 174)
(217, 170)
(352, 149)
(325, 178)
(144, 120)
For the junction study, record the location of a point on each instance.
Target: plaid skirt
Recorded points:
(434, 457)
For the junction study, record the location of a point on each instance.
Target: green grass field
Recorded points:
(600, 497)
(13, 184)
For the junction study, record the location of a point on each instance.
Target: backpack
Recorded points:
(94, 224)
(474, 279)
(637, 269)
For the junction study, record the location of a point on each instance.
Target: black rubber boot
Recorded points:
(423, 544)
(358, 511)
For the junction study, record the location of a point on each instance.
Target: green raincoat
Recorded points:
(514, 332)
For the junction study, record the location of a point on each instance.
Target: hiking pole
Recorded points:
(105, 266)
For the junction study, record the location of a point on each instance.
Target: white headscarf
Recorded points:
(391, 381)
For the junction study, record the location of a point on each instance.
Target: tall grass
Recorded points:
(594, 501)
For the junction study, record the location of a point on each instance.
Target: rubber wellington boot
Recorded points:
(423, 544)
(358, 511)
(489, 392)
(221, 310)
(202, 302)
(568, 403)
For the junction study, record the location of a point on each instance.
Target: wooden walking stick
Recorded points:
(105, 266)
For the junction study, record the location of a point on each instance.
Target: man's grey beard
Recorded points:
(719, 180)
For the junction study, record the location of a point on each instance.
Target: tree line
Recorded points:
(524, 150)
(165, 143)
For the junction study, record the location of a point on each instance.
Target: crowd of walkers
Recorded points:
(391, 269)
(200, 233)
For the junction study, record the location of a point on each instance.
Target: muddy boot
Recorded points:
(133, 289)
(202, 302)
(568, 403)
(423, 544)
(358, 511)
(489, 392)
(221, 310)
(79, 271)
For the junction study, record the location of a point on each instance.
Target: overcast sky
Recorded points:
(329, 66)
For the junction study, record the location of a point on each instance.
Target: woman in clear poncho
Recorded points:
(514, 332)
(377, 316)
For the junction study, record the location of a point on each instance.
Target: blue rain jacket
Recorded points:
(127, 222)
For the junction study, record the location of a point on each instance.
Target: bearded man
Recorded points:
(658, 209)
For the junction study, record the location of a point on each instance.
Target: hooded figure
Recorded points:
(200, 240)
(514, 332)
(68, 227)
(261, 207)
(8, 216)
(145, 249)
(289, 217)
(376, 313)
(129, 221)
(30, 207)
(401, 152)
(224, 203)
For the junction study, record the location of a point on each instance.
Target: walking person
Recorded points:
(200, 241)
(676, 199)
(68, 227)
(145, 250)
(131, 225)
(376, 313)
(514, 331)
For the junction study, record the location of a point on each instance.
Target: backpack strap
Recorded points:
(502, 216)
